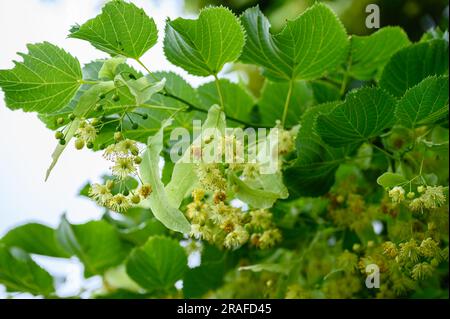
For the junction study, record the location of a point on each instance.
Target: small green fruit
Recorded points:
(118, 136)
(59, 135)
(79, 144)
(135, 199)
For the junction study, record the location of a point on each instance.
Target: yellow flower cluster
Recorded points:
(118, 202)
(416, 260)
(219, 223)
(125, 156)
(431, 197)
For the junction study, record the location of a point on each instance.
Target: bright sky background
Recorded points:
(26, 145)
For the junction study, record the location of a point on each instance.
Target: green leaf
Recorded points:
(18, 272)
(159, 202)
(317, 162)
(425, 103)
(237, 101)
(391, 179)
(121, 29)
(308, 47)
(35, 238)
(366, 113)
(44, 82)
(96, 244)
(203, 46)
(90, 71)
(139, 234)
(210, 275)
(369, 54)
(175, 85)
(158, 264)
(272, 100)
(325, 92)
(199, 280)
(403, 72)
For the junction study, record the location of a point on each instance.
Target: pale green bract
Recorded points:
(203, 46)
(389, 179)
(109, 67)
(159, 202)
(142, 89)
(44, 82)
(307, 47)
(121, 29)
(184, 175)
(261, 192)
(366, 113)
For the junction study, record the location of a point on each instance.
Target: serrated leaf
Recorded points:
(203, 46)
(96, 244)
(366, 113)
(35, 238)
(121, 29)
(44, 82)
(159, 202)
(90, 71)
(369, 54)
(317, 161)
(425, 103)
(403, 72)
(237, 102)
(18, 272)
(307, 47)
(273, 97)
(391, 179)
(158, 264)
